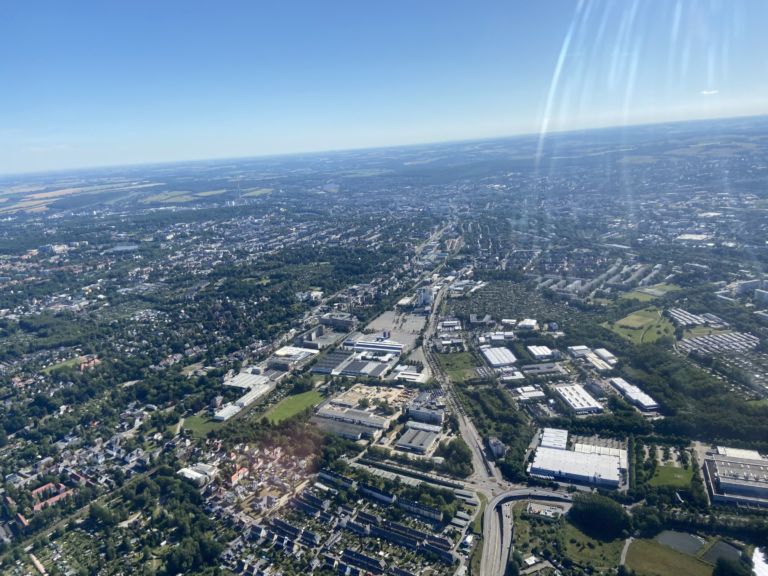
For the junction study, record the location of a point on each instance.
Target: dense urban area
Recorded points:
(517, 356)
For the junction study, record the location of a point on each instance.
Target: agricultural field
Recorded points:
(459, 366)
(292, 405)
(643, 326)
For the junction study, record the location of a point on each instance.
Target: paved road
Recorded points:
(498, 526)
(484, 469)
(486, 479)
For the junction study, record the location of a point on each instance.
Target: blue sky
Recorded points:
(87, 83)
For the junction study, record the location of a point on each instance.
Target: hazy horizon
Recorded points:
(537, 135)
(95, 85)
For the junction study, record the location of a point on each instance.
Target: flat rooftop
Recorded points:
(594, 468)
(554, 438)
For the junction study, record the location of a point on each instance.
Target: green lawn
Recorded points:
(200, 425)
(459, 366)
(648, 293)
(702, 331)
(292, 405)
(66, 364)
(477, 521)
(649, 558)
(643, 326)
(672, 476)
(635, 295)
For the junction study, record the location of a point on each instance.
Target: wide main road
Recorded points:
(484, 470)
(486, 478)
(498, 526)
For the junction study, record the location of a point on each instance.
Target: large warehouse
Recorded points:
(737, 477)
(578, 399)
(497, 357)
(558, 464)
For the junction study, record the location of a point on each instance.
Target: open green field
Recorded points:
(72, 362)
(636, 295)
(648, 293)
(672, 476)
(649, 558)
(585, 550)
(459, 366)
(702, 331)
(292, 405)
(200, 425)
(643, 326)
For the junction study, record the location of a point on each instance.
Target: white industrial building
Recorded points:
(528, 394)
(555, 463)
(606, 356)
(528, 324)
(596, 362)
(246, 379)
(619, 453)
(634, 395)
(578, 399)
(540, 352)
(578, 351)
(290, 357)
(226, 412)
(554, 438)
(379, 346)
(498, 357)
(256, 386)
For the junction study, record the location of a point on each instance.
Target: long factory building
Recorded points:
(498, 357)
(736, 476)
(634, 395)
(587, 464)
(578, 399)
